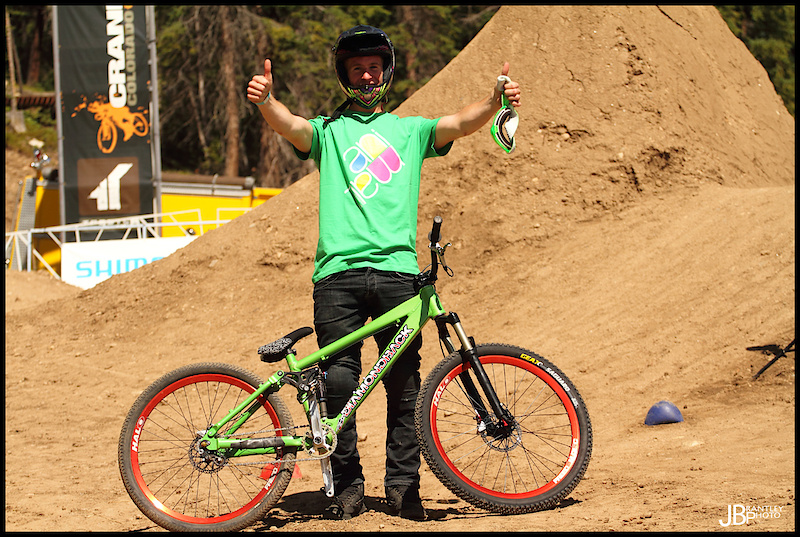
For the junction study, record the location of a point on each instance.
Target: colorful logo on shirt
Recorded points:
(373, 161)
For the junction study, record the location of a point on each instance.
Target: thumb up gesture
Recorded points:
(260, 86)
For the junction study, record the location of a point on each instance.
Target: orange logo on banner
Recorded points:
(113, 119)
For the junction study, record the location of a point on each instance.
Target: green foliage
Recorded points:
(32, 30)
(768, 31)
(39, 124)
(33, 53)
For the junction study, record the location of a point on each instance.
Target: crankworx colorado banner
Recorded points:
(106, 163)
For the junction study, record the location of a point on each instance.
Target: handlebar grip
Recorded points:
(435, 235)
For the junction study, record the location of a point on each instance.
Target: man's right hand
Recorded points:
(260, 85)
(297, 130)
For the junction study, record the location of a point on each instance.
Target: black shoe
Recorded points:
(404, 500)
(346, 505)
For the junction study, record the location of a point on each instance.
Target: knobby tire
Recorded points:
(532, 468)
(177, 484)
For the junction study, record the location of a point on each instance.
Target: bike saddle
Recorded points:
(277, 350)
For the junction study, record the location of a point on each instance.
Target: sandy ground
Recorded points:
(641, 237)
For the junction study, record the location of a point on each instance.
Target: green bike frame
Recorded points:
(409, 317)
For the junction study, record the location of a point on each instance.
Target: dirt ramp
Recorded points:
(626, 93)
(621, 103)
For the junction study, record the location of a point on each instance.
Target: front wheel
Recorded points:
(531, 463)
(176, 482)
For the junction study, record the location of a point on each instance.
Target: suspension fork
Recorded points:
(469, 355)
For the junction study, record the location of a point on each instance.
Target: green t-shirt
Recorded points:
(370, 168)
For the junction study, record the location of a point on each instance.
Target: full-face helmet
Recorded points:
(364, 41)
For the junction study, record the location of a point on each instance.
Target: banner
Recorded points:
(85, 264)
(106, 163)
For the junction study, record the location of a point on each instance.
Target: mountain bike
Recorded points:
(212, 447)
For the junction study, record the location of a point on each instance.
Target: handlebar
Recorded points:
(435, 236)
(437, 257)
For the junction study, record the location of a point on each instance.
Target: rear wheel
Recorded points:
(529, 465)
(183, 487)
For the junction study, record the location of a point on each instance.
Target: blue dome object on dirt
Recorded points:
(663, 412)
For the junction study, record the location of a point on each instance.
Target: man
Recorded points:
(370, 163)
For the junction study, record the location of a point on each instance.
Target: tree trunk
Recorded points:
(263, 166)
(35, 58)
(230, 94)
(411, 21)
(199, 103)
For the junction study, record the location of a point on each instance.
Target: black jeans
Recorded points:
(342, 304)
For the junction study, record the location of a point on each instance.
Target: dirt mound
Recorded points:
(641, 237)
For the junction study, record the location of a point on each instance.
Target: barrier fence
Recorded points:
(143, 233)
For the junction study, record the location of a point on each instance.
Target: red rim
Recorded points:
(563, 397)
(204, 377)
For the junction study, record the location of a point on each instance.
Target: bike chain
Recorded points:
(325, 427)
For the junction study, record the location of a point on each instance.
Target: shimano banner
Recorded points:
(103, 79)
